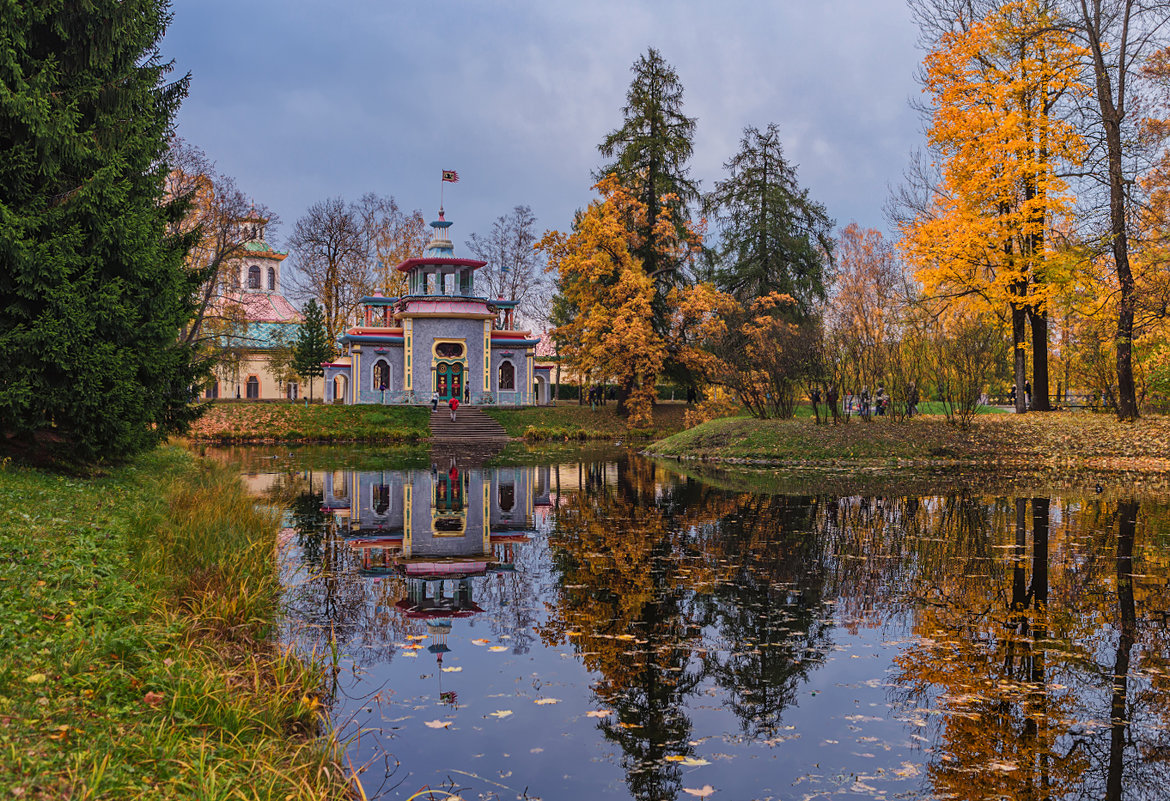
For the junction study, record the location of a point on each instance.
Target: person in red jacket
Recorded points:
(453, 404)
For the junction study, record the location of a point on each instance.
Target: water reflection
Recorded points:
(766, 645)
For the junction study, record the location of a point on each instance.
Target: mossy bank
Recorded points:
(138, 611)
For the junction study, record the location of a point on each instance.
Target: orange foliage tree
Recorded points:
(610, 336)
(995, 87)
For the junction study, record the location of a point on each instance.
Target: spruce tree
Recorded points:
(775, 238)
(650, 151)
(93, 291)
(311, 346)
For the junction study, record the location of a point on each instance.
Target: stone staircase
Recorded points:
(471, 425)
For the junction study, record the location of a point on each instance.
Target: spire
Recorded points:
(440, 245)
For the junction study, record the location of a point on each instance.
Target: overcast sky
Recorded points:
(301, 100)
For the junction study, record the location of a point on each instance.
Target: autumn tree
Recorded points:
(611, 335)
(774, 236)
(514, 270)
(650, 152)
(390, 236)
(995, 84)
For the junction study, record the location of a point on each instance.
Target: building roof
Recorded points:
(263, 307)
(420, 261)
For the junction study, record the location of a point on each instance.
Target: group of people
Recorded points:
(864, 405)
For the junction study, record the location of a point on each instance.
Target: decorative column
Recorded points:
(487, 356)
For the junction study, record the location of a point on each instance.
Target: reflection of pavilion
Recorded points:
(438, 528)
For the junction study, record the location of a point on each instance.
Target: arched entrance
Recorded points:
(541, 390)
(340, 387)
(449, 380)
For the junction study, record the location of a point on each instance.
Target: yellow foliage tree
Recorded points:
(610, 336)
(994, 87)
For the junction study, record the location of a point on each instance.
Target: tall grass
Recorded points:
(136, 614)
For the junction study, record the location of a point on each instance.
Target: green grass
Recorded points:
(1036, 440)
(137, 609)
(569, 421)
(234, 423)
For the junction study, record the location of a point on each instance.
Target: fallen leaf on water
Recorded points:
(674, 758)
(498, 648)
(543, 701)
(501, 713)
(452, 669)
(702, 792)
(412, 647)
(480, 642)
(410, 653)
(438, 724)
(691, 762)
(417, 636)
(599, 713)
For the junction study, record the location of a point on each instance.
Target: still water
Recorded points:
(607, 627)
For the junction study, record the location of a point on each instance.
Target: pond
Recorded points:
(598, 625)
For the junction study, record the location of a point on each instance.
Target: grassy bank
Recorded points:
(137, 609)
(1054, 440)
(569, 421)
(240, 423)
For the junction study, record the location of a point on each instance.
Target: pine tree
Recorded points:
(650, 151)
(775, 238)
(311, 346)
(93, 291)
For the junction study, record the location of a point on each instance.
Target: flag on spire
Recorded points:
(451, 175)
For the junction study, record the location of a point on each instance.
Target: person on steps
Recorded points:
(453, 404)
(434, 401)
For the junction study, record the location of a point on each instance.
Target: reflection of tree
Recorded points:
(769, 613)
(627, 569)
(645, 565)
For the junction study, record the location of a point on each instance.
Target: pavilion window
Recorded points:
(254, 277)
(506, 494)
(507, 376)
(252, 388)
(271, 279)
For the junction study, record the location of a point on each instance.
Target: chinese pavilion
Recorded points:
(441, 338)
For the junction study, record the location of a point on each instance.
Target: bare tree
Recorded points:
(1118, 35)
(514, 269)
(390, 236)
(219, 219)
(330, 249)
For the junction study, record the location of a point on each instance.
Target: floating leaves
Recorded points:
(599, 713)
(702, 792)
(438, 724)
(498, 648)
(480, 641)
(543, 701)
(501, 713)
(455, 669)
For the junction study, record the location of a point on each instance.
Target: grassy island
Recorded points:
(1051, 440)
(138, 657)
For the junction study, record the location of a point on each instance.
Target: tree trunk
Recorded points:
(1019, 322)
(1127, 627)
(1039, 320)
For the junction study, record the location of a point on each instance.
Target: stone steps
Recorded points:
(471, 425)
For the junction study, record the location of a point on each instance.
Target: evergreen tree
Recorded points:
(650, 151)
(93, 291)
(775, 238)
(312, 344)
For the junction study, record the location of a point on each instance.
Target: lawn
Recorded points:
(137, 610)
(1050, 440)
(230, 423)
(570, 421)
